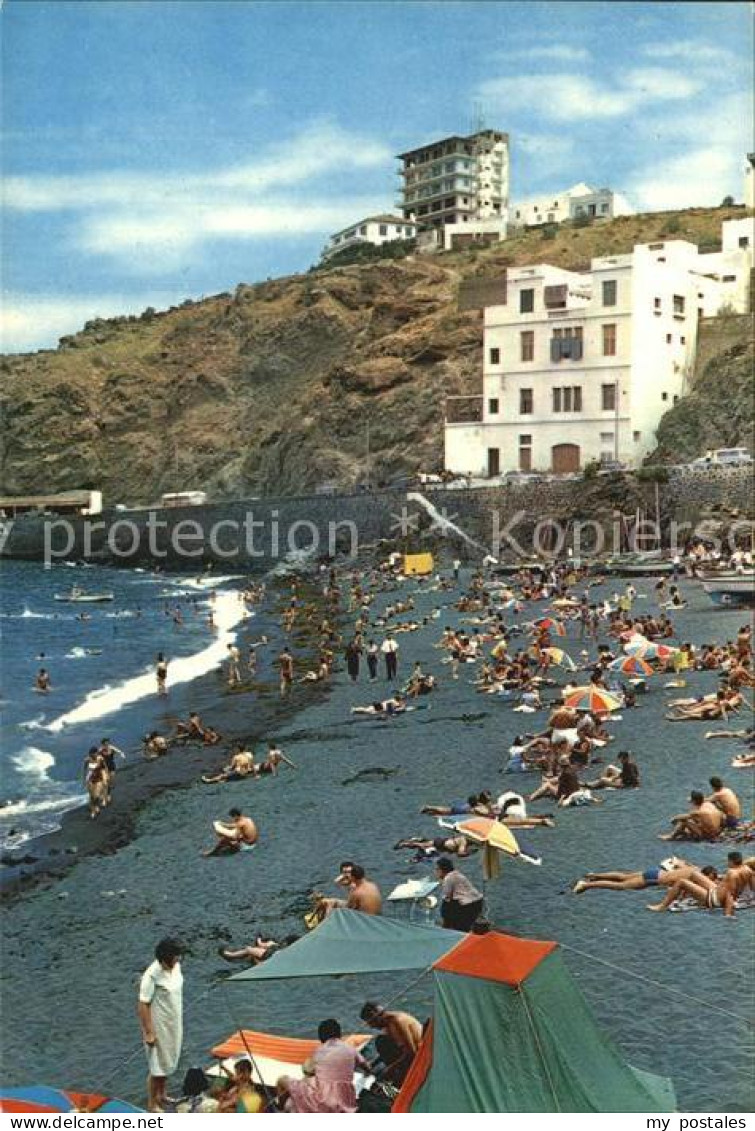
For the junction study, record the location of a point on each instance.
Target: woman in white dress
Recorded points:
(161, 1018)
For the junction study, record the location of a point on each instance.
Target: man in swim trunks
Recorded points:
(401, 1028)
(668, 873)
(436, 846)
(234, 661)
(624, 776)
(273, 760)
(710, 891)
(232, 838)
(364, 895)
(194, 729)
(108, 752)
(703, 822)
(240, 766)
(42, 682)
(286, 670)
(727, 801)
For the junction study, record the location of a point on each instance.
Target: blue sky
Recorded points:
(155, 151)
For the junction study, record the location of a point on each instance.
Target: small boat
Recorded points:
(80, 597)
(639, 565)
(736, 590)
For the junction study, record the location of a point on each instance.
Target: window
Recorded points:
(363, 230)
(608, 398)
(493, 406)
(683, 340)
(729, 278)
(525, 401)
(656, 304)
(668, 339)
(525, 453)
(609, 292)
(383, 229)
(495, 356)
(637, 436)
(526, 301)
(609, 339)
(567, 398)
(664, 396)
(675, 400)
(744, 241)
(678, 304)
(606, 437)
(527, 341)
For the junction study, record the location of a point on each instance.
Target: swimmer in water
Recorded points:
(234, 670)
(154, 745)
(42, 682)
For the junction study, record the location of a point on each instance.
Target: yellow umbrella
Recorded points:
(560, 657)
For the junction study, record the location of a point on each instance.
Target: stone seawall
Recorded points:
(256, 534)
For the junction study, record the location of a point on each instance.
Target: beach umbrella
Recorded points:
(631, 665)
(560, 657)
(591, 699)
(550, 624)
(495, 838)
(37, 1098)
(648, 650)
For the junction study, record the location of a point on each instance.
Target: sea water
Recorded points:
(102, 674)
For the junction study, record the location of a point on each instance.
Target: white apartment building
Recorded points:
(373, 229)
(580, 200)
(456, 180)
(581, 366)
(732, 265)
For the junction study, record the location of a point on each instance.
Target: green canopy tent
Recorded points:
(349, 942)
(512, 1032)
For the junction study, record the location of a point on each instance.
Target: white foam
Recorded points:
(32, 760)
(228, 610)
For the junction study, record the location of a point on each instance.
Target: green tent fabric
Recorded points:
(348, 942)
(498, 1046)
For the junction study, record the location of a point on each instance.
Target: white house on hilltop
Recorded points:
(376, 230)
(750, 181)
(581, 366)
(580, 201)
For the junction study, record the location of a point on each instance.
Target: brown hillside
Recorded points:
(271, 389)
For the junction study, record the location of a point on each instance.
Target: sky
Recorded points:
(160, 150)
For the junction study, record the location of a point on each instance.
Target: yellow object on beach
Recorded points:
(418, 564)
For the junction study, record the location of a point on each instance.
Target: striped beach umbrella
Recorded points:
(591, 699)
(631, 665)
(37, 1098)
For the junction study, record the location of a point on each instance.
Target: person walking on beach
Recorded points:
(353, 655)
(161, 674)
(372, 659)
(286, 669)
(389, 648)
(461, 902)
(161, 1018)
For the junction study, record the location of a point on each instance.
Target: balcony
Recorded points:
(566, 349)
(464, 410)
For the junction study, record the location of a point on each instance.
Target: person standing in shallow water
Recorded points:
(160, 1012)
(286, 669)
(161, 674)
(389, 648)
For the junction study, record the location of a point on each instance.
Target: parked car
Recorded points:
(723, 457)
(522, 477)
(611, 466)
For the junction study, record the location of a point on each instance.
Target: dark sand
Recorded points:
(74, 948)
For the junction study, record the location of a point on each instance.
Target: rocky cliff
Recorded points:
(335, 375)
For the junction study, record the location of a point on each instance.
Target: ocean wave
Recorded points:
(32, 760)
(46, 800)
(228, 611)
(32, 724)
(79, 653)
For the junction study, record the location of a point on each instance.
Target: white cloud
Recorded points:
(563, 52)
(569, 97)
(37, 321)
(155, 241)
(699, 178)
(710, 166)
(153, 221)
(689, 50)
